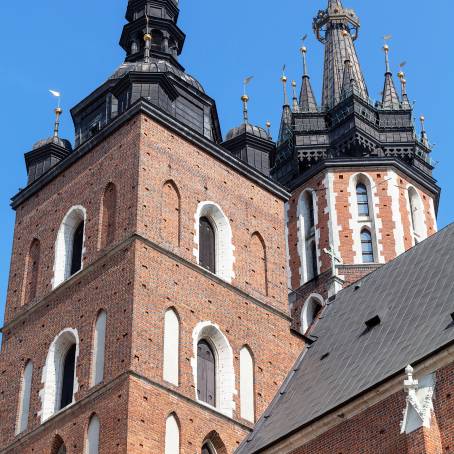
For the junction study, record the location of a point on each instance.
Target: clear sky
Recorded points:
(72, 47)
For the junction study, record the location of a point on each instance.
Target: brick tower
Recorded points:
(147, 307)
(360, 177)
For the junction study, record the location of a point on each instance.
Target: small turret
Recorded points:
(390, 99)
(307, 101)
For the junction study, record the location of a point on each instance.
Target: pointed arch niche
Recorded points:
(307, 238)
(211, 214)
(93, 431)
(99, 347)
(31, 272)
(310, 311)
(108, 216)
(69, 247)
(258, 267)
(247, 384)
(172, 435)
(171, 351)
(24, 398)
(171, 214)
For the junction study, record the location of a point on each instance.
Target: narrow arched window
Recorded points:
(362, 200)
(58, 446)
(171, 347)
(207, 245)
(419, 230)
(207, 449)
(258, 267)
(67, 378)
(92, 445)
(24, 402)
(77, 246)
(247, 385)
(172, 441)
(310, 312)
(367, 246)
(206, 373)
(31, 272)
(99, 341)
(170, 221)
(310, 209)
(109, 215)
(313, 259)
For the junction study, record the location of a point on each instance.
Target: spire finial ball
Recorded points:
(345, 33)
(386, 47)
(268, 124)
(293, 83)
(422, 118)
(58, 110)
(284, 78)
(401, 74)
(147, 37)
(245, 98)
(303, 49)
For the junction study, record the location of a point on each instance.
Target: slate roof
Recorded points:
(413, 295)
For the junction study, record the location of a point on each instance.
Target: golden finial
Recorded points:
(345, 33)
(295, 97)
(245, 99)
(147, 37)
(58, 111)
(268, 126)
(284, 83)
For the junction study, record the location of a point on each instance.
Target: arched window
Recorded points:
(24, 398)
(92, 444)
(247, 391)
(31, 272)
(99, 343)
(213, 444)
(108, 215)
(67, 379)
(306, 237)
(362, 199)
(367, 246)
(213, 241)
(171, 347)
(172, 441)
(59, 374)
(212, 365)
(208, 449)
(310, 312)
(207, 254)
(258, 266)
(170, 220)
(419, 230)
(69, 246)
(206, 373)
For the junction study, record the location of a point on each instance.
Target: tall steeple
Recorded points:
(330, 26)
(307, 98)
(390, 100)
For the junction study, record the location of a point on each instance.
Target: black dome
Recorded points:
(250, 129)
(66, 144)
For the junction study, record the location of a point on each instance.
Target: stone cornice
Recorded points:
(125, 243)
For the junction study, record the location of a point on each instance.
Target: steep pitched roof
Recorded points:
(413, 295)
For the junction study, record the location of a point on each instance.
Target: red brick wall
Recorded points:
(377, 429)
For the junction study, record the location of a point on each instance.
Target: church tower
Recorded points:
(147, 307)
(360, 176)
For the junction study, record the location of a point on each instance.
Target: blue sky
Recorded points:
(73, 47)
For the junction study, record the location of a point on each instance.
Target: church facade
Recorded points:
(175, 291)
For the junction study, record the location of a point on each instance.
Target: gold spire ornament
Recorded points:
(284, 84)
(295, 97)
(58, 111)
(245, 99)
(147, 38)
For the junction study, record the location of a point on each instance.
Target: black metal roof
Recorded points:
(413, 296)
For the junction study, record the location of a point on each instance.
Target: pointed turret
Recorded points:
(424, 138)
(286, 119)
(348, 84)
(331, 26)
(390, 100)
(403, 84)
(295, 105)
(307, 101)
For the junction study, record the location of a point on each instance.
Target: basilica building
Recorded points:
(174, 290)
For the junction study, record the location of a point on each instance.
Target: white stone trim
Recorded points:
(171, 348)
(305, 237)
(306, 322)
(394, 193)
(92, 444)
(432, 214)
(224, 239)
(419, 402)
(225, 374)
(334, 228)
(63, 243)
(372, 222)
(172, 435)
(24, 398)
(51, 377)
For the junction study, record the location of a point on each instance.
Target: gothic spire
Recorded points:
(286, 120)
(307, 99)
(330, 26)
(348, 83)
(424, 138)
(403, 84)
(390, 100)
(295, 105)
